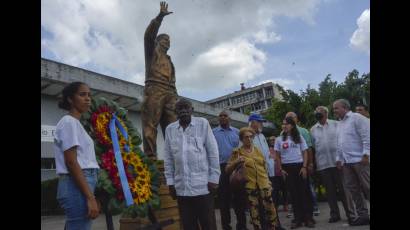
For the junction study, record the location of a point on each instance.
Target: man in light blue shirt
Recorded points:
(260, 142)
(353, 156)
(191, 162)
(227, 138)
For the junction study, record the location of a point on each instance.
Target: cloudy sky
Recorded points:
(215, 44)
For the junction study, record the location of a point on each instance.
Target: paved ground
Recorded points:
(57, 222)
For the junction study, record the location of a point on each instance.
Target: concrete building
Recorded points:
(256, 99)
(55, 76)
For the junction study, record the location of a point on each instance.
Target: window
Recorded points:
(269, 92)
(260, 94)
(247, 97)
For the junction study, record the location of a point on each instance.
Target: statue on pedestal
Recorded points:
(160, 94)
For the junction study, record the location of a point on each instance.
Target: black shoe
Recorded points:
(310, 224)
(350, 220)
(295, 225)
(280, 228)
(359, 222)
(334, 219)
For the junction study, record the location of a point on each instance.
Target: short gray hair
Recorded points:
(344, 102)
(322, 107)
(184, 101)
(226, 111)
(254, 121)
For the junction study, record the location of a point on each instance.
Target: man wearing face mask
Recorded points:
(324, 142)
(191, 164)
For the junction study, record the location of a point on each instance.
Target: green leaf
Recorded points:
(122, 113)
(105, 183)
(99, 149)
(115, 206)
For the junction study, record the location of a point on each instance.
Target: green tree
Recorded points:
(366, 89)
(355, 89)
(277, 112)
(327, 89)
(310, 100)
(247, 110)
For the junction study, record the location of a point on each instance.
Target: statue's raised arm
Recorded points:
(152, 31)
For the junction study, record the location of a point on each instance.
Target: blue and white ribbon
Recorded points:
(118, 158)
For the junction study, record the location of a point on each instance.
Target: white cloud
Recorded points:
(212, 42)
(360, 39)
(264, 37)
(225, 64)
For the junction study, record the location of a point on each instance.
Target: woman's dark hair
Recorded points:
(294, 133)
(68, 92)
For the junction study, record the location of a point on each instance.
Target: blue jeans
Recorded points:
(73, 201)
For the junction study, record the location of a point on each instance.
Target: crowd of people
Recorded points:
(198, 163)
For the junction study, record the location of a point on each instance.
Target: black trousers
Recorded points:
(332, 180)
(300, 192)
(278, 184)
(225, 198)
(197, 211)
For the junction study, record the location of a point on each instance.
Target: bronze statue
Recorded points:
(160, 94)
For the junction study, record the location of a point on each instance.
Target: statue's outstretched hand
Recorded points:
(164, 9)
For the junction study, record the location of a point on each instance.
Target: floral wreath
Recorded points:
(141, 173)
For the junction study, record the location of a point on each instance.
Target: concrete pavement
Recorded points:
(57, 222)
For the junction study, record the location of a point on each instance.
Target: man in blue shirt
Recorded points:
(227, 138)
